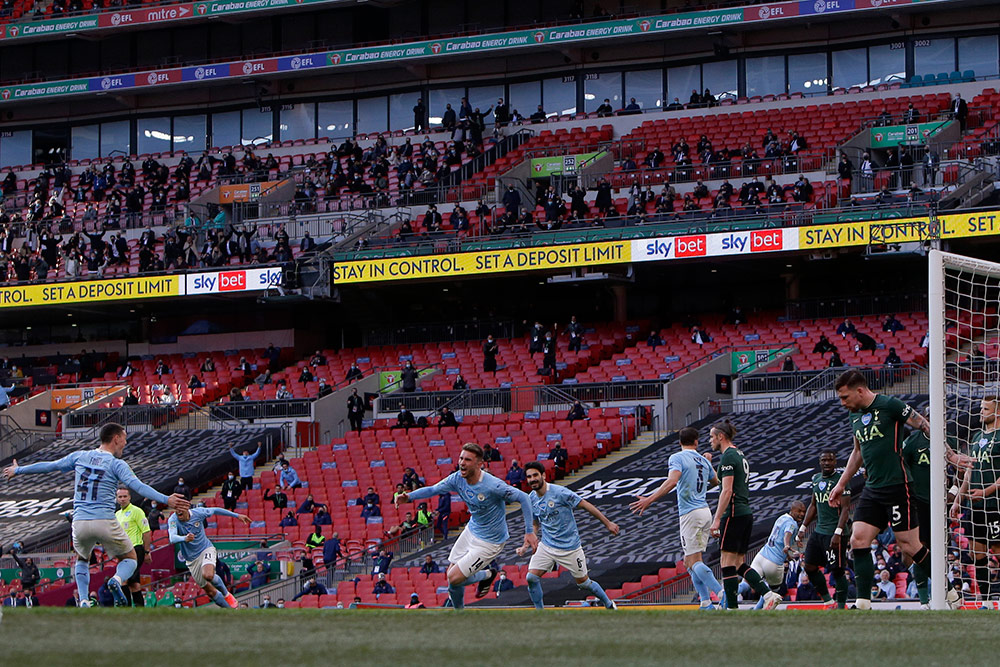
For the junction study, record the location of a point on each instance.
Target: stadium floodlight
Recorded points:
(964, 331)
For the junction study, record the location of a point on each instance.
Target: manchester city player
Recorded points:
(485, 536)
(187, 530)
(99, 473)
(559, 538)
(692, 475)
(770, 560)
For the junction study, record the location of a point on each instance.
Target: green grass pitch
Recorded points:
(48, 636)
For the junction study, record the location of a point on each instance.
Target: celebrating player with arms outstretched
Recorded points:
(99, 472)
(559, 539)
(692, 475)
(826, 546)
(187, 530)
(733, 521)
(877, 422)
(483, 539)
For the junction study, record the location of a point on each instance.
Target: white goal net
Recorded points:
(964, 334)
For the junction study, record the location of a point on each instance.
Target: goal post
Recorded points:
(964, 332)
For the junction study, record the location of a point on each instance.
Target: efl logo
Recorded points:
(690, 246)
(335, 58)
(251, 67)
(232, 281)
(296, 62)
(645, 26)
(539, 37)
(765, 241)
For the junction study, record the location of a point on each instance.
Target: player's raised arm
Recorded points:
(128, 478)
(850, 470)
(444, 486)
(642, 503)
(65, 464)
(218, 511)
(172, 533)
(599, 515)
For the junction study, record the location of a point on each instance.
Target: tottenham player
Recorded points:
(692, 475)
(827, 546)
(558, 535)
(733, 522)
(485, 536)
(99, 473)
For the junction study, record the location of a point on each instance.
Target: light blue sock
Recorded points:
(477, 577)
(596, 589)
(760, 604)
(708, 577)
(744, 589)
(220, 600)
(535, 590)
(457, 595)
(82, 571)
(125, 570)
(699, 585)
(217, 582)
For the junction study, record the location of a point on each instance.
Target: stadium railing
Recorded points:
(272, 409)
(149, 417)
(804, 387)
(855, 306)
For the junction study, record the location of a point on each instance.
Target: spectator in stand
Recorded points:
(576, 412)
(560, 457)
(317, 359)
(167, 397)
(408, 378)
(331, 550)
(195, 383)
(892, 325)
(490, 350)
(382, 586)
(491, 453)
(400, 490)
(235, 395)
(309, 505)
(381, 562)
(575, 332)
(410, 478)
(502, 584)
(931, 163)
(162, 368)
(288, 520)
(353, 373)
(260, 573)
(539, 116)
(846, 328)
(231, 491)
(264, 378)
(424, 517)
(548, 354)
(788, 366)
(126, 371)
(306, 376)
(407, 525)
(459, 384)
(515, 475)
(864, 342)
(289, 479)
(605, 109)
(886, 587)
(960, 111)
(30, 575)
(893, 359)
(315, 539)
(823, 346)
(355, 410)
(246, 465)
(277, 498)
(208, 366)
(311, 587)
(654, 339)
(324, 389)
(447, 418)
(154, 515)
(182, 488)
(370, 510)
(322, 517)
(699, 336)
(429, 566)
(835, 360)
(404, 419)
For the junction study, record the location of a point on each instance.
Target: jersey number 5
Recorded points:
(89, 480)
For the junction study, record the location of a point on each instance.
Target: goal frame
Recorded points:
(938, 261)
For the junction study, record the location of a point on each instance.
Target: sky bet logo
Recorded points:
(659, 249)
(227, 281)
(768, 241)
(690, 246)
